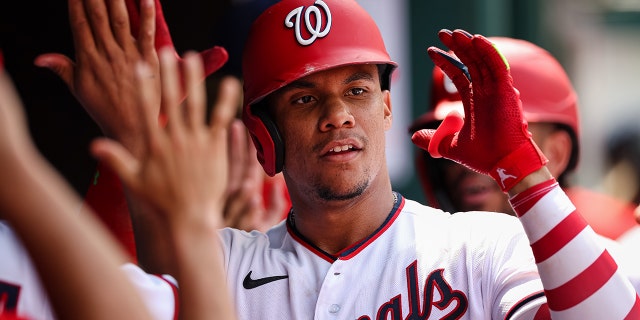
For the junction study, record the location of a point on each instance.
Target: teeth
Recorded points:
(342, 148)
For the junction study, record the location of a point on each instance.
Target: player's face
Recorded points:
(333, 125)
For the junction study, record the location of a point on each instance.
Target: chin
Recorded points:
(329, 193)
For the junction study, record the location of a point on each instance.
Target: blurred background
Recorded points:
(597, 41)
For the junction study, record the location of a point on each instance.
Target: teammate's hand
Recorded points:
(103, 76)
(492, 137)
(246, 208)
(213, 58)
(182, 171)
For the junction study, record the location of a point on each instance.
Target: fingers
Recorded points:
(81, 29)
(277, 200)
(60, 65)
(243, 211)
(238, 154)
(147, 30)
(97, 15)
(118, 159)
(453, 68)
(196, 96)
(422, 138)
(484, 60)
(170, 88)
(119, 21)
(226, 105)
(146, 110)
(442, 137)
(495, 64)
(438, 142)
(460, 42)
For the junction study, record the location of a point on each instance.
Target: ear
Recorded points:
(557, 148)
(388, 117)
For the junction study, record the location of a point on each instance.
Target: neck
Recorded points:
(335, 225)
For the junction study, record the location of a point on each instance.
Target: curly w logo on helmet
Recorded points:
(316, 31)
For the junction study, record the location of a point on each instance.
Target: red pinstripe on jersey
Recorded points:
(573, 290)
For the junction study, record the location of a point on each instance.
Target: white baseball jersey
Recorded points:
(422, 263)
(20, 288)
(22, 293)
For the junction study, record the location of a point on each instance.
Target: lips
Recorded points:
(340, 147)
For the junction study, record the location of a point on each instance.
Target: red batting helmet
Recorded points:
(545, 90)
(293, 39)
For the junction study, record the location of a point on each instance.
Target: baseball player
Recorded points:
(550, 107)
(317, 104)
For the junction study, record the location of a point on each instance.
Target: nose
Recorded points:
(336, 114)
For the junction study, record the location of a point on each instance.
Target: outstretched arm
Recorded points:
(580, 278)
(182, 176)
(77, 260)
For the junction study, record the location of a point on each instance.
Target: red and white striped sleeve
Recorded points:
(580, 278)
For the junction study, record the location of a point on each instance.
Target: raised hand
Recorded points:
(492, 138)
(78, 263)
(103, 76)
(181, 174)
(246, 208)
(183, 166)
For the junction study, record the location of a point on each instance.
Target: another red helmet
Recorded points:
(545, 90)
(293, 39)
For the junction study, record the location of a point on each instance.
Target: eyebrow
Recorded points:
(358, 76)
(302, 84)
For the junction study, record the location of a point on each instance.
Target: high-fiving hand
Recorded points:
(110, 38)
(492, 136)
(103, 76)
(182, 171)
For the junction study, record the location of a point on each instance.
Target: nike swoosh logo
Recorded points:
(249, 283)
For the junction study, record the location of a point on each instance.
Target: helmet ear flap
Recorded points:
(266, 138)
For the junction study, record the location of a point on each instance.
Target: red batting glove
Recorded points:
(493, 138)
(212, 58)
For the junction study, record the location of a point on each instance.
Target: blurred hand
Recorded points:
(245, 208)
(182, 171)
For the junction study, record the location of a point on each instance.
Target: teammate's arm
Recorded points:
(77, 260)
(182, 176)
(580, 278)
